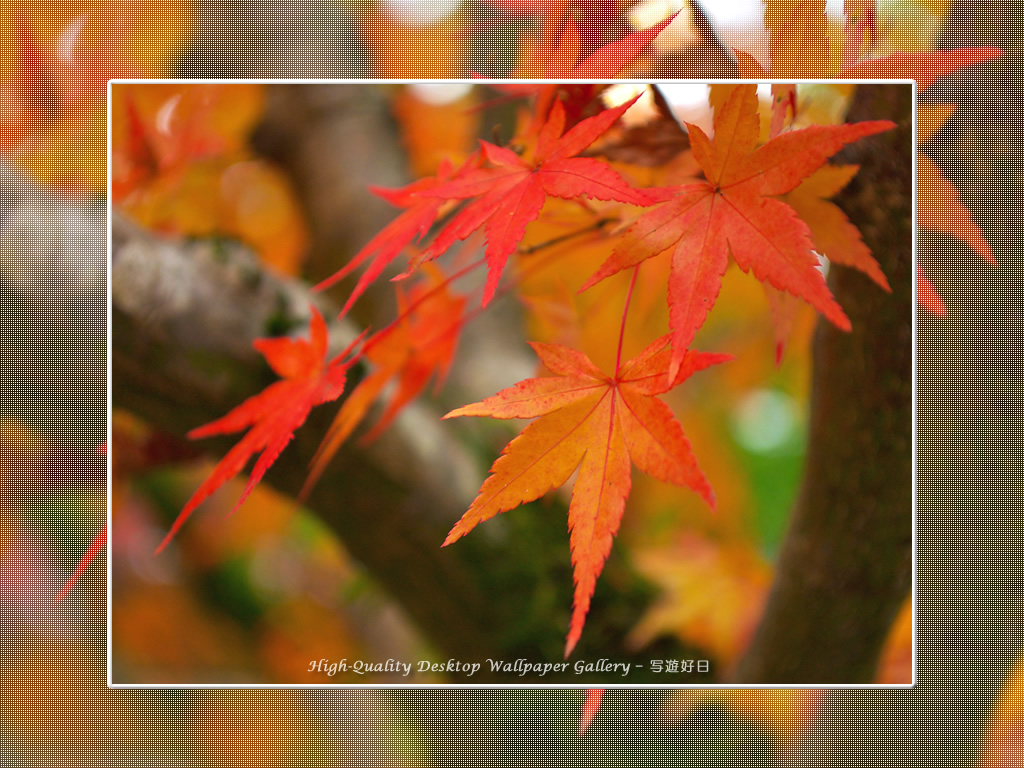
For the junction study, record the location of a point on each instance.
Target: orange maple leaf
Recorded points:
(180, 165)
(55, 61)
(833, 233)
(597, 423)
(735, 211)
(162, 129)
(60, 84)
(308, 379)
(570, 60)
(799, 49)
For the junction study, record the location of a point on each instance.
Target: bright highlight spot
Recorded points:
(676, 35)
(735, 14)
(438, 94)
(764, 420)
(689, 102)
(421, 13)
(647, 13)
(686, 95)
(616, 95)
(166, 114)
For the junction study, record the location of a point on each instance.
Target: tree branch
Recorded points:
(184, 316)
(52, 289)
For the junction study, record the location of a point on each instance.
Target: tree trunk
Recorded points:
(969, 514)
(845, 565)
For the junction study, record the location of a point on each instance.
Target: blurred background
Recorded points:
(256, 596)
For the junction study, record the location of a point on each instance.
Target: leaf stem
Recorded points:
(407, 311)
(625, 314)
(597, 225)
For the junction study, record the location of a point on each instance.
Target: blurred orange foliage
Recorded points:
(1003, 746)
(408, 48)
(55, 60)
(180, 165)
(712, 594)
(438, 129)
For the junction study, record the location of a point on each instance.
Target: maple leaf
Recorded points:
(833, 233)
(799, 49)
(179, 165)
(51, 102)
(57, 58)
(94, 549)
(418, 345)
(273, 415)
(568, 31)
(607, 61)
(735, 212)
(941, 210)
(171, 127)
(61, 82)
(927, 296)
(412, 224)
(712, 590)
(798, 46)
(511, 192)
(596, 423)
(590, 708)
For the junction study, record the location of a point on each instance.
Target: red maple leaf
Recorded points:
(734, 211)
(927, 296)
(568, 61)
(422, 209)
(98, 542)
(419, 344)
(597, 423)
(94, 549)
(511, 192)
(590, 18)
(273, 415)
(590, 708)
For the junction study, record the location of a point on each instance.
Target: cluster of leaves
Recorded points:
(730, 194)
(799, 48)
(747, 196)
(800, 45)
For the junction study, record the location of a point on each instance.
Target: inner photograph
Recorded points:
(508, 382)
